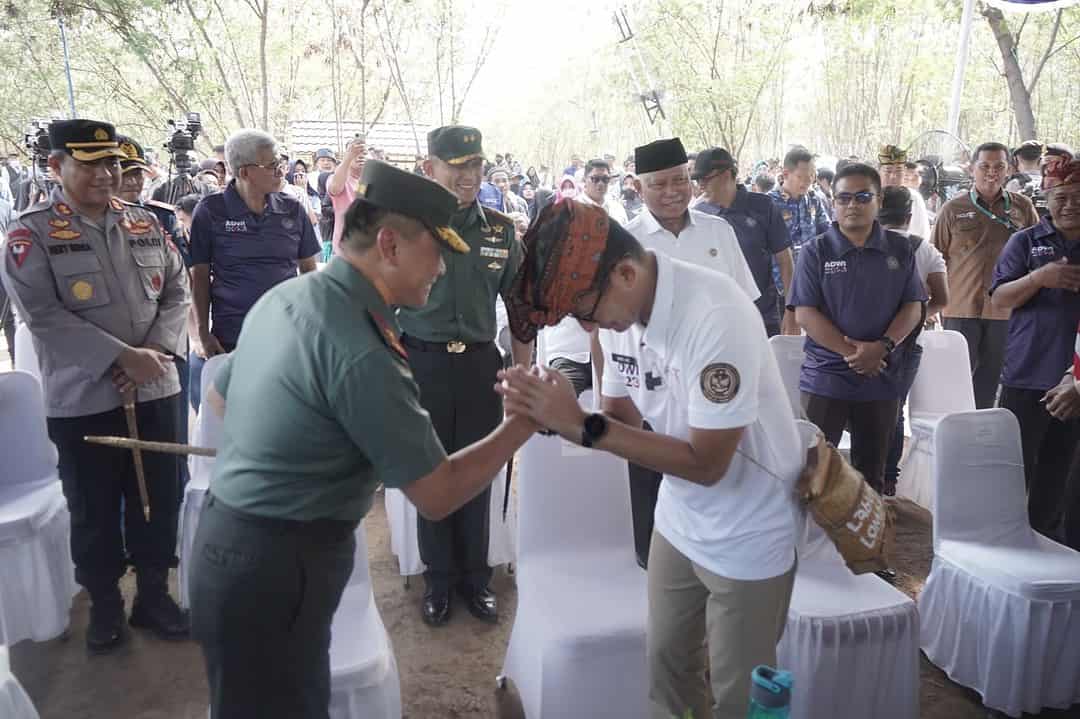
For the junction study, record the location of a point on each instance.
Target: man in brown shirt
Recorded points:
(971, 230)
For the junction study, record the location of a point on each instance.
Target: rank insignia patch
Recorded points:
(59, 224)
(63, 209)
(388, 334)
(65, 235)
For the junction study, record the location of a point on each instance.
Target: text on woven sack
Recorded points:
(868, 520)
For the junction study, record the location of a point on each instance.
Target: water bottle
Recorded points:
(770, 693)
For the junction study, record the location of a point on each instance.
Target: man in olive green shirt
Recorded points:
(322, 353)
(455, 359)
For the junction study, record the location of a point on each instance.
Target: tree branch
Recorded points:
(1046, 55)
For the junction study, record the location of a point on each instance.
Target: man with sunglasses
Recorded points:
(722, 556)
(598, 178)
(857, 295)
(243, 241)
(971, 231)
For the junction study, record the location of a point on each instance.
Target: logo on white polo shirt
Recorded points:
(1042, 251)
(833, 267)
(235, 225)
(628, 368)
(720, 382)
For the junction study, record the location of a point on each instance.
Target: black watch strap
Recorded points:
(889, 344)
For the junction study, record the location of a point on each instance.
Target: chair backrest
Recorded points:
(572, 502)
(789, 352)
(28, 454)
(208, 425)
(26, 358)
(978, 477)
(943, 382)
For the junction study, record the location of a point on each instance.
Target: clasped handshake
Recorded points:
(542, 396)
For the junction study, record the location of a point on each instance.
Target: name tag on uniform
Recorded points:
(499, 253)
(235, 225)
(1043, 251)
(965, 215)
(833, 267)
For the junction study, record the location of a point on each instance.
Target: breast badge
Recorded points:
(82, 290)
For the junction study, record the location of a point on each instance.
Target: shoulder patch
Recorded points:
(720, 382)
(389, 336)
(20, 250)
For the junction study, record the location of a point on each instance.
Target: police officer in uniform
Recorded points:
(105, 297)
(275, 544)
(455, 359)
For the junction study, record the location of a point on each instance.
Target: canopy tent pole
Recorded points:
(961, 66)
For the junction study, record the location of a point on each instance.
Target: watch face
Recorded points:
(595, 425)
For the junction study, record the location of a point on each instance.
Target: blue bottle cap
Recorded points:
(771, 688)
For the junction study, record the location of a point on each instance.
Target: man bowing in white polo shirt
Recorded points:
(669, 225)
(684, 348)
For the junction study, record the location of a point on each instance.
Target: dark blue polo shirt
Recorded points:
(1042, 331)
(860, 290)
(247, 253)
(762, 233)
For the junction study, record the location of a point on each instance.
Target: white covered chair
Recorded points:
(37, 577)
(26, 358)
(790, 352)
(1000, 610)
(14, 703)
(852, 641)
(364, 682)
(207, 434)
(942, 385)
(577, 647)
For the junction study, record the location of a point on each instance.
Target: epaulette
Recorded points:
(160, 205)
(493, 214)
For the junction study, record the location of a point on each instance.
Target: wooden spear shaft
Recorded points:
(136, 452)
(147, 446)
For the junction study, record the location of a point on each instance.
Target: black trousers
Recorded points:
(579, 373)
(7, 318)
(458, 392)
(1049, 449)
(986, 350)
(95, 480)
(263, 596)
(644, 490)
(872, 425)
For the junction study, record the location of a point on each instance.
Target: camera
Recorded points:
(181, 140)
(36, 140)
(941, 182)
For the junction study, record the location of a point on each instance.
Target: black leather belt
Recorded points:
(333, 529)
(454, 347)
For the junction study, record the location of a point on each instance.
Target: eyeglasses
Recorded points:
(276, 167)
(599, 179)
(860, 198)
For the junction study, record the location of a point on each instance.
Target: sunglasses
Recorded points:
(600, 179)
(859, 198)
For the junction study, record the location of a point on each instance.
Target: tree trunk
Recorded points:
(1019, 93)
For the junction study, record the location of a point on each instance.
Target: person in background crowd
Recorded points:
(1037, 277)
(217, 167)
(105, 296)
(568, 189)
(511, 202)
(891, 163)
(896, 214)
(528, 193)
(858, 295)
(533, 177)
(913, 178)
(341, 188)
(668, 225)
(594, 189)
(454, 359)
(971, 231)
(802, 210)
(244, 241)
(762, 234)
(722, 560)
(325, 161)
(763, 183)
(1027, 164)
(824, 185)
(297, 176)
(631, 200)
(210, 180)
(576, 163)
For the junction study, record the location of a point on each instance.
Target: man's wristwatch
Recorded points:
(595, 427)
(889, 344)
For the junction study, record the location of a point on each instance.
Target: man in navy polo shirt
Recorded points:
(759, 226)
(858, 296)
(1037, 276)
(243, 241)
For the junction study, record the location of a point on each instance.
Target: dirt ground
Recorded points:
(446, 673)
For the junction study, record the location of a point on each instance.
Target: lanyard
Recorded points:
(1003, 221)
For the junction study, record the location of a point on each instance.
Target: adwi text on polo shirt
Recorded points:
(834, 266)
(235, 225)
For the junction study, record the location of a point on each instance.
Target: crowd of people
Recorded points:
(662, 277)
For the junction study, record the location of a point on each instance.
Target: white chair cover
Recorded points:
(790, 352)
(37, 577)
(14, 703)
(852, 641)
(1001, 607)
(577, 647)
(207, 433)
(26, 358)
(364, 682)
(942, 385)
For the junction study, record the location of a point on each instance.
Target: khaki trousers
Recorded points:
(692, 610)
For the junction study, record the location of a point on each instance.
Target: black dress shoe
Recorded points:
(483, 605)
(436, 608)
(106, 630)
